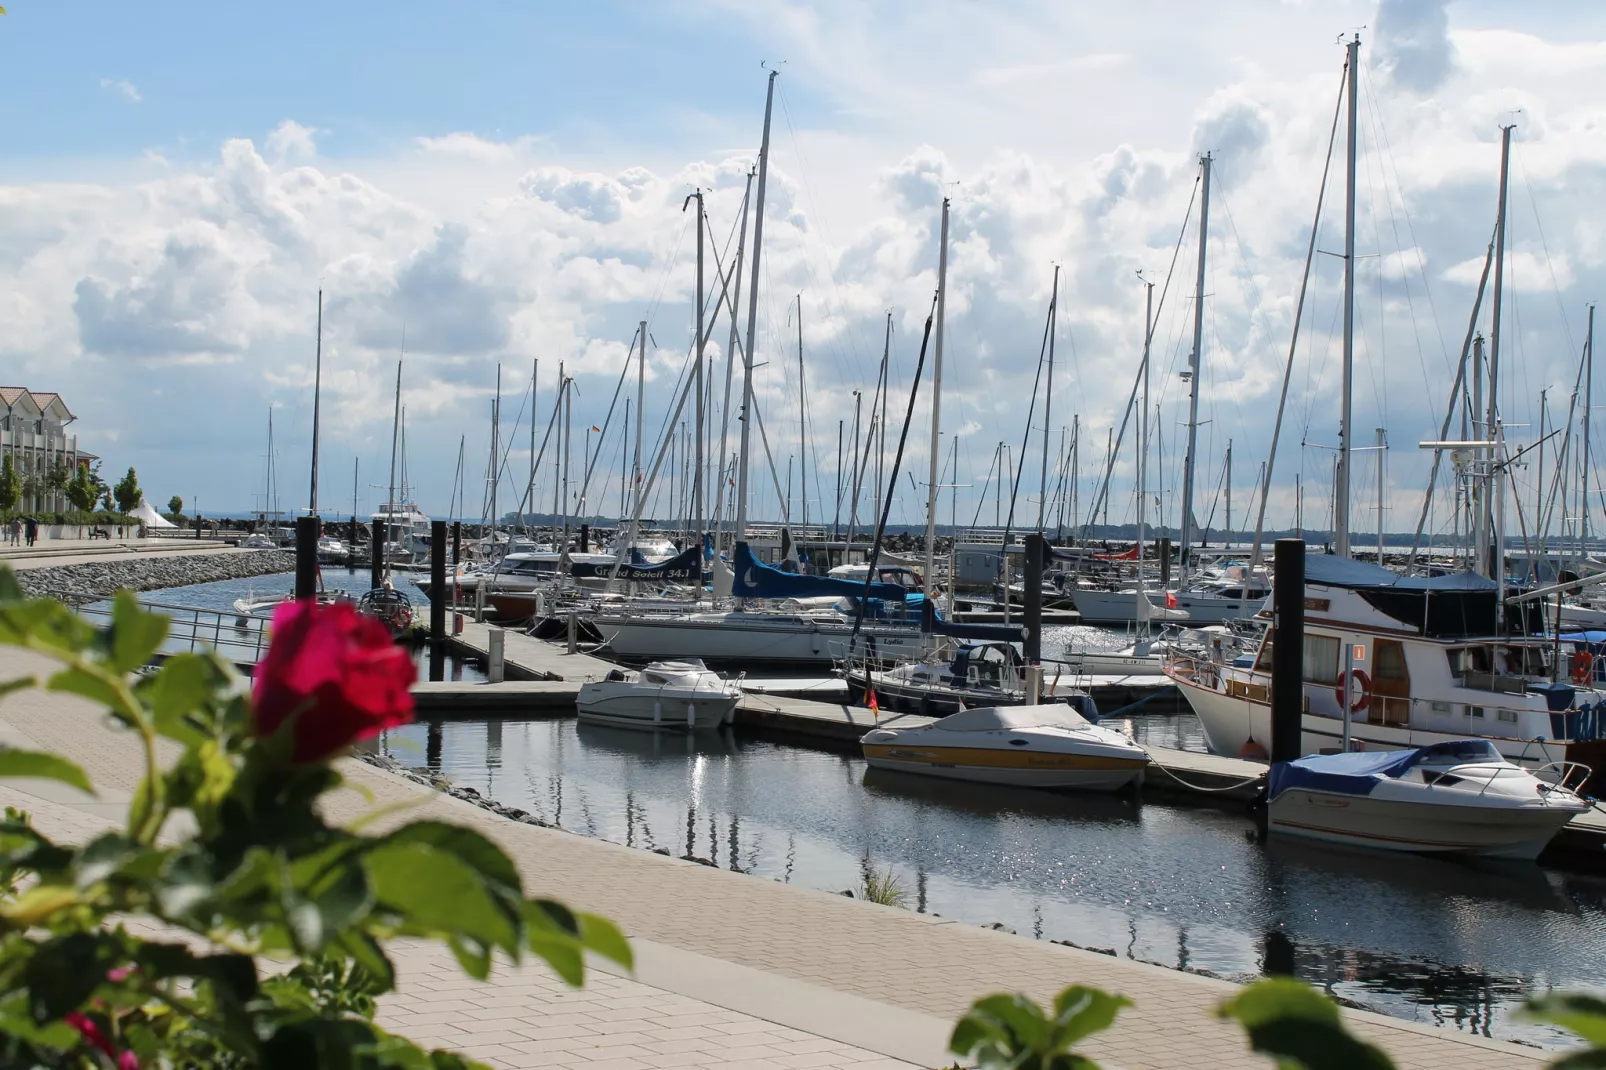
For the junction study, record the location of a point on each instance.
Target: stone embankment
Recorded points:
(92, 581)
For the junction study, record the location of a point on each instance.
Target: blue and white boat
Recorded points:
(1448, 798)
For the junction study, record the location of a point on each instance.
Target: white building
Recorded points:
(33, 431)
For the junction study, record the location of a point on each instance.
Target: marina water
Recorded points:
(1454, 944)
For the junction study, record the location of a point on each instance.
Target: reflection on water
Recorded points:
(1430, 940)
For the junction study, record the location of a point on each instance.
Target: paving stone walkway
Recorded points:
(732, 970)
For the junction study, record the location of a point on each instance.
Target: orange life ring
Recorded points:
(1583, 666)
(1253, 750)
(1360, 690)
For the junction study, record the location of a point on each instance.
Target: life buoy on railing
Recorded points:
(1360, 690)
(1583, 666)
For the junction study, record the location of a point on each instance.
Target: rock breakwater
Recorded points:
(91, 581)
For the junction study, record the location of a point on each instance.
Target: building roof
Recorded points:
(41, 402)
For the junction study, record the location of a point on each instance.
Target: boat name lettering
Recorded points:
(1318, 605)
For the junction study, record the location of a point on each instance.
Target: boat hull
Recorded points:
(668, 709)
(1091, 663)
(981, 765)
(1420, 827)
(1121, 607)
(750, 642)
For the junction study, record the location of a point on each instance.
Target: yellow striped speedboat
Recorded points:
(1026, 746)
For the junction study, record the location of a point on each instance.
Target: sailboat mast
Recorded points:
(936, 404)
(641, 397)
(1493, 418)
(496, 426)
(1227, 540)
(802, 427)
(317, 385)
(529, 494)
(752, 313)
(1346, 432)
(697, 467)
(1189, 458)
(1143, 428)
(879, 423)
(1589, 393)
(1048, 399)
(395, 439)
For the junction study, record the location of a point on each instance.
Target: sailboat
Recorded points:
(1394, 662)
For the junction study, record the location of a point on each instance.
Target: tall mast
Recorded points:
(879, 424)
(641, 392)
(1589, 393)
(802, 428)
(697, 467)
(936, 403)
(529, 492)
(395, 439)
(1228, 539)
(752, 313)
(496, 431)
(1492, 430)
(1143, 430)
(720, 496)
(1479, 490)
(317, 386)
(567, 399)
(1048, 400)
(1346, 433)
(1382, 445)
(1189, 459)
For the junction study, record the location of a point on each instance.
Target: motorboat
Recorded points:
(665, 694)
(1392, 662)
(1461, 797)
(404, 532)
(979, 674)
(1047, 746)
(332, 550)
(258, 541)
(1212, 601)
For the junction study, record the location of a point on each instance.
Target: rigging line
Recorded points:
(1544, 246)
(1293, 342)
(1104, 485)
(1385, 161)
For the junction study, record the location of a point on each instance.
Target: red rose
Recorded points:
(337, 672)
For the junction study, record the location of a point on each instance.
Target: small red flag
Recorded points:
(1170, 600)
(870, 701)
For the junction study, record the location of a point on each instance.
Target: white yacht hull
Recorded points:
(1395, 825)
(1064, 771)
(1093, 663)
(621, 704)
(1241, 727)
(1582, 617)
(1121, 607)
(750, 640)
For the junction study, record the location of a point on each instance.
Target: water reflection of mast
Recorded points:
(920, 890)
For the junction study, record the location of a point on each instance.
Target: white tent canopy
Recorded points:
(148, 516)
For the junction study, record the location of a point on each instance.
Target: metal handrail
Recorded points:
(236, 637)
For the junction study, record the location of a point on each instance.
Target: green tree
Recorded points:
(127, 493)
(175, 505)
(10, 484)
(83, 489)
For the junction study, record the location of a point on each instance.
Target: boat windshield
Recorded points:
(1460, 752)
(1004, 718)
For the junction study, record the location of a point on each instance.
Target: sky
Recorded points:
(491, 185)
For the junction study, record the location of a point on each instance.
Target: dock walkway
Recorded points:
(732, 970)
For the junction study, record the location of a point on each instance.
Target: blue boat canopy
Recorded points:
(754, 579)
(1358, 773)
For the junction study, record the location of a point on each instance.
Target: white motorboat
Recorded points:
(1448, 798)
(788, 640)
(332, 550)
(978, 674)
(1212, 602)
(1026, 746)
(258, 542)
(1146, 657)
(666, 694)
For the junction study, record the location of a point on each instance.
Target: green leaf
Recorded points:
(177, 689)
(366, 952)
(32, 763)
(435, 893)
(1575, 1012)
(1300, 1027)
(21, 683)
(1080, 1012)
(91, 684)
(10, 589)
(473, 956)
(134, 634)
(485, 857)
(603, 937)
(66, 970)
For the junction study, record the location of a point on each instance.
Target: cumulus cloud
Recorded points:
(123, 88)
(1413, 43)
(290, 138)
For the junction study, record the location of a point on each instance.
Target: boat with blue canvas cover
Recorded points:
(1460, 797)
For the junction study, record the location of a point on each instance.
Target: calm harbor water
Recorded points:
(1446, 943)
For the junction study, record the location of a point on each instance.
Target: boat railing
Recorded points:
(1563, 772)
(236, 637)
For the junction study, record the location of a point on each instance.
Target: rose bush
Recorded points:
(252, 871)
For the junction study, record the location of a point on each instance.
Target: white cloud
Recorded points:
(196, 283)
(123, 88)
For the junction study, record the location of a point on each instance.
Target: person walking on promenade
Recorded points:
(14, 532)
(33, 530)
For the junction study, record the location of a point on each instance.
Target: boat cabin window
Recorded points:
(1496, 660)
(1321, 658)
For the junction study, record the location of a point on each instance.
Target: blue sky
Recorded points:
(504, 180)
